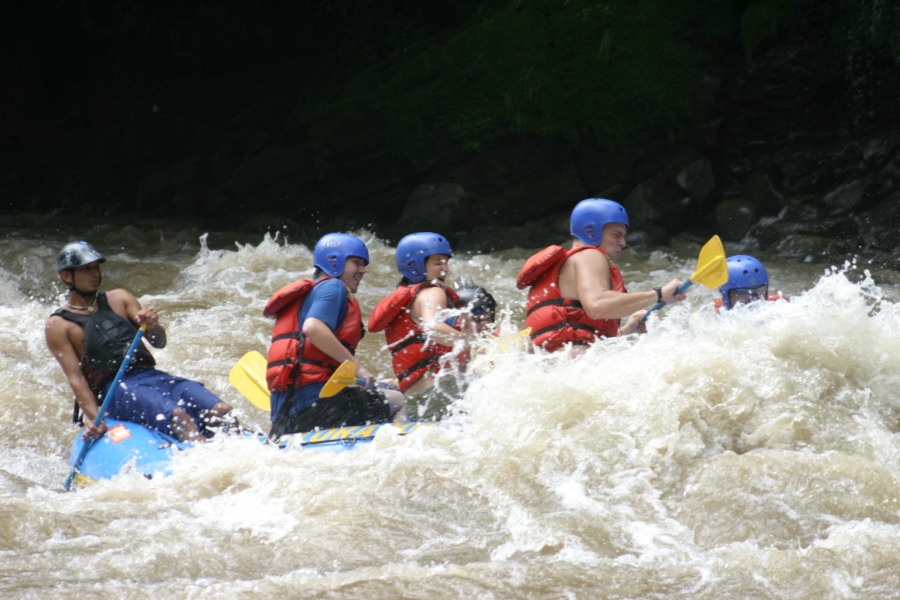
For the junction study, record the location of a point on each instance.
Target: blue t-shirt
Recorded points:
(327, 302)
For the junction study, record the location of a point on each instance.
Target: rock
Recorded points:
(697, 179)
(809, 247)
(653, 201)
(734, 218)
(772, 233)
(438, 207)
(759, 191)
(881, 224)
(846, 198)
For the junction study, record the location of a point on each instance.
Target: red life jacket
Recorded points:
(412, 354)
(291, 366)
(555, 320)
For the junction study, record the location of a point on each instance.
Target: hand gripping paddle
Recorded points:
(248, 377)
(712, 270)
(101, 412)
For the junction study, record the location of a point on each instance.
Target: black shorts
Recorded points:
(349, 407)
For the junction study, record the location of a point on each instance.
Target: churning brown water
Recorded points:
(753, 454)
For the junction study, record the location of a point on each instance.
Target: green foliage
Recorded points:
(857, 26)
(609, 71)
(763, 20)
(865, 24)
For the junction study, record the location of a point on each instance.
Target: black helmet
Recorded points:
(476, 298)
(77, 254)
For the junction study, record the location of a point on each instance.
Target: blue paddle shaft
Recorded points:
(660, 304)
(382, 384)
(101, 412)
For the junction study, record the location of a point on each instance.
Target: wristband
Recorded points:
(658, 294)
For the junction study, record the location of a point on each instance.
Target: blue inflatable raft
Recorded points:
(126, 446)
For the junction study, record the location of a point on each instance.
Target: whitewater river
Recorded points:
(753, 454)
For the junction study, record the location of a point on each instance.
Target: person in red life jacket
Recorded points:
(420, 341)
(747, 282)
(577, 296)
(318, 327)
(89, 337)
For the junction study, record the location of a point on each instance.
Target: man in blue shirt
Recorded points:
(318, 327)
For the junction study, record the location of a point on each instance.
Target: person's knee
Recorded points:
(220, 416)
(181, 421)
(220, 409)
(395, 397)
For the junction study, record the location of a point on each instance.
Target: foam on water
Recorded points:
(752, 453)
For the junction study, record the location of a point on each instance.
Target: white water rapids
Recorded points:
(753, 454)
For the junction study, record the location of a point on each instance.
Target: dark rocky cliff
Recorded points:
(797, 146)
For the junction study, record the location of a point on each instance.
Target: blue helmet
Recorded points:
(77, 254)
(333, 249)
(414, 249)
(589, 216)
(743, 272)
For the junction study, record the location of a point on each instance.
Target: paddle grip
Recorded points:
(681, 288)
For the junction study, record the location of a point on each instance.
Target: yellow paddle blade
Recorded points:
(248, 376)
(712, 270)
(343, 376)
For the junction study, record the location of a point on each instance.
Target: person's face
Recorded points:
(354, 269)
(614, 239)
(86, 279)
(747, 295)
(482, 318)
(437, 266)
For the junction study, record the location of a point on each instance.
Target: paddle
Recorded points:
(248, 376)
(712, 270)
(101, 412)
(343, 376)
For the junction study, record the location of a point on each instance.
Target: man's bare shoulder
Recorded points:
(119, 299)
(589, 254)
(57, 328)
(118, 294)
(589, 260)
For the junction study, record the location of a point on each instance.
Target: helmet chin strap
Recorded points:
(89, 295)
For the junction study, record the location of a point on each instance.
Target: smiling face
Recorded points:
(614, 239)
(437, 267)
(354, 269)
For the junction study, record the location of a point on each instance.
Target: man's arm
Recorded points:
(126, 305)
(322, 337)
(591, 276)
(57, 337)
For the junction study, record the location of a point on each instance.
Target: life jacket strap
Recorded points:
(555, 302)
(419, 365)
(291, 335)
(414, 339)
(562, 325)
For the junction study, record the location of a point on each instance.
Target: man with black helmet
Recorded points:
(479, 303)
(89, 335)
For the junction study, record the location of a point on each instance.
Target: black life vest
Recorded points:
(107, 337)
